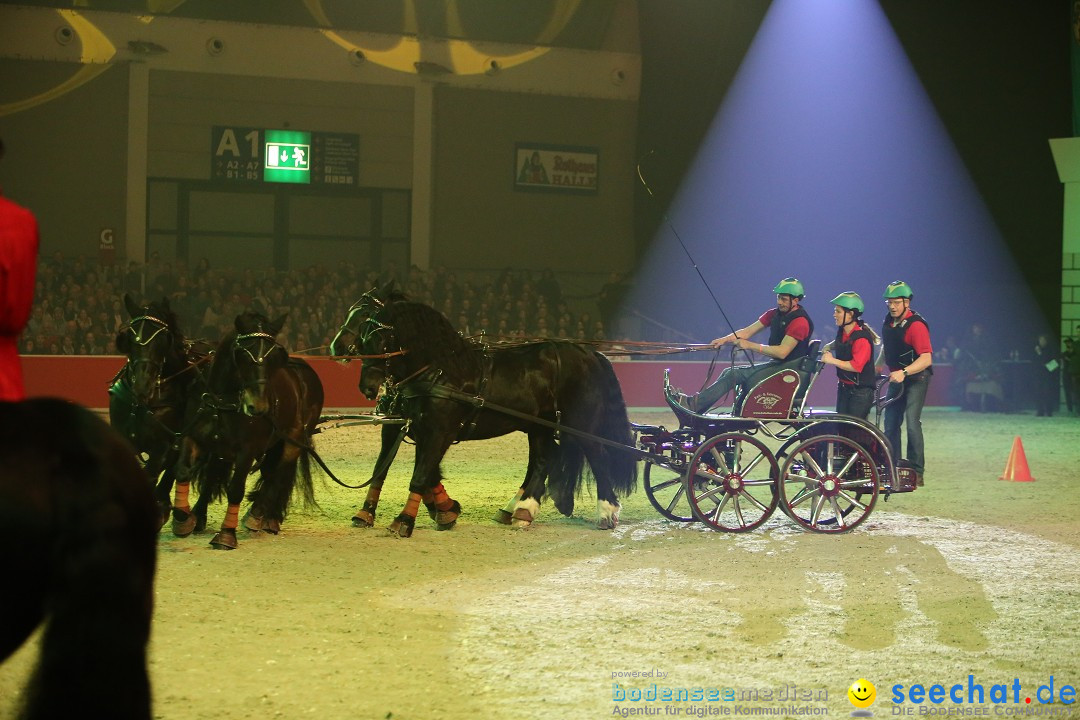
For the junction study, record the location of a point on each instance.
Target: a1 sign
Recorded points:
(236, 154)
(280, 156)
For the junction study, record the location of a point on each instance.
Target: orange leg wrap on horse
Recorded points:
(180, 496)
(412, 505)
(442, 500)
(372, 499)
(231, 517)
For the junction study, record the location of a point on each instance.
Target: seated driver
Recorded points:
(790, 331)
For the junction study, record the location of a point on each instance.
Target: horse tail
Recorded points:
(305, 484)
(615, 426)
(613, 466)
(566, 471)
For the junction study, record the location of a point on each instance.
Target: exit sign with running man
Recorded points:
(288, 156)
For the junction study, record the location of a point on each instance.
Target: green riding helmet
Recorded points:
(850, 301)
(898, 289)
(789, 286)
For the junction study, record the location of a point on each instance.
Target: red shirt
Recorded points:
(861, 351)
(18, 266)
(798, 329)
(917, 336)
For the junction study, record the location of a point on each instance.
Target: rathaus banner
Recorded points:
(553, 168)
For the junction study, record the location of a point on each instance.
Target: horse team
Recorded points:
(81, 513)
(202, 417)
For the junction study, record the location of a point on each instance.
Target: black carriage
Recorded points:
(732, 470)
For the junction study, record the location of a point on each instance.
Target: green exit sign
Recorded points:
(288, 156)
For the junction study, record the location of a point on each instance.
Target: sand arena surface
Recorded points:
(968, 575)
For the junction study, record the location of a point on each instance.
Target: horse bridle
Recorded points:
(137, 335)
(366, 300)
(263, 354)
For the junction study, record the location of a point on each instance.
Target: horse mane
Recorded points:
(162, 311)
(431, 340)
(250, 321)
(222, 364)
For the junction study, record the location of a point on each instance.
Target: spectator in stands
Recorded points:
(978, 368)
(1069, 370)
(1048, 371)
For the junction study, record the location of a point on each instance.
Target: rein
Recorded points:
(615, 347)
(379, 356)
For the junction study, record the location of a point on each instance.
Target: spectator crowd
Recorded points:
(79, 304)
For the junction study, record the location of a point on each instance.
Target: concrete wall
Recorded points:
(480, 221)
(66, 156)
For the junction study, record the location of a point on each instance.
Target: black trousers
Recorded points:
(854, 400)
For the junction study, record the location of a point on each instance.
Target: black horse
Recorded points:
(440, 382)
(148, 397)
(259, 406)
(78, 545)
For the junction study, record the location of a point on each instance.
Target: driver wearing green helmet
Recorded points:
(909, 357)
(852, 353)
(790, 332)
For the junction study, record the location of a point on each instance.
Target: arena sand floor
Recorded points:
(968, 581)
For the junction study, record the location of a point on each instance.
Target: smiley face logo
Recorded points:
(862, 693)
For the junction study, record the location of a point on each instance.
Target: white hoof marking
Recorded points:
(609, 514)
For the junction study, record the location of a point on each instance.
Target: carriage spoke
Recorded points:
(753, 464)
(720, 508)
(738, 510)
(753, 500)
(802, 495)
(679, 494)
(721, 464)
(852, 500)
(836, 509)
(847, 466)
(664, 485)
(815, 516)
(666, 490)
(812, 464)
(711, 493)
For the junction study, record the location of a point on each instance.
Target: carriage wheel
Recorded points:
(731, 483)
(829, 484)
(667, 493)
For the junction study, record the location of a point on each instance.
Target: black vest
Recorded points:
(778, 329)
(898, 353)
(867, 377)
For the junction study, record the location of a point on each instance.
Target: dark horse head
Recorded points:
(153, 345)
(403, 339)
(347, 340)
(256, 356)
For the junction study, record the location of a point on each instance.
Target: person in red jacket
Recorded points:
(18, 266)
(852, 353)
(790, 331)
(910, 358)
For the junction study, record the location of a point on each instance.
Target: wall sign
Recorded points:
(554, 168)
(254, 155)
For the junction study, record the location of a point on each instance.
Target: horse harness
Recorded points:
(428, 382)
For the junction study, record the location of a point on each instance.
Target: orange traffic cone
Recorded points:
(1016, 468)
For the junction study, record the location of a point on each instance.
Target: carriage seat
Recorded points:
(780, 394)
